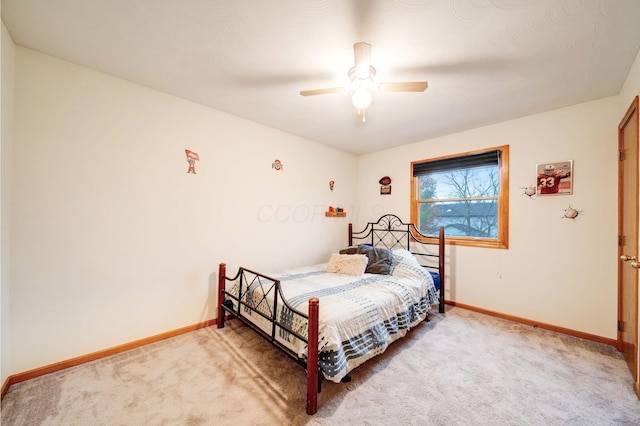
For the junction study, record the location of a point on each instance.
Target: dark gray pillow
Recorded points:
(379, 258)
(350, 250)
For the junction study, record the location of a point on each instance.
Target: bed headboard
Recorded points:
(391, 232)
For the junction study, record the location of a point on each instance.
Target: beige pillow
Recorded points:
(348, 264)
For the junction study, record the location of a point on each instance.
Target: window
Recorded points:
(467, 193)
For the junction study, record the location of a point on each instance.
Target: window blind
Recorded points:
(483, 159)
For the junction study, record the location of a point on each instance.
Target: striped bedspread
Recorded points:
(359, 315)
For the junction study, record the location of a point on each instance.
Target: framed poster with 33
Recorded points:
(555, 178)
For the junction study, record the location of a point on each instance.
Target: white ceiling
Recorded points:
(486, 61)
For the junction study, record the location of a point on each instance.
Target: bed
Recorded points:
(371, 293)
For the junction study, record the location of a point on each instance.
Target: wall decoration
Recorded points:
(385, 185)
(277, 165)
(571, 213)
(555, 178)
(331, 183)
(192, 157)
(529, 191)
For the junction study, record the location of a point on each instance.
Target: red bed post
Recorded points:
(312, 357)
(222, 272)
(441, 269)
(350, 234)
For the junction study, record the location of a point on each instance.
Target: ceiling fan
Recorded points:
(362, 82)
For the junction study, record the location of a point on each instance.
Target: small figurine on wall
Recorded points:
(571, 213)
(331, 183)
(192, 157)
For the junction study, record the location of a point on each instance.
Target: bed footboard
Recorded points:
(225, 307)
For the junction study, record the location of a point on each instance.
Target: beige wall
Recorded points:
(112, 240)
(556, 271)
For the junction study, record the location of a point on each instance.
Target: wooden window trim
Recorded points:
(502, 241)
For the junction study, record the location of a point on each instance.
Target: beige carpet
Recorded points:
(462, 368)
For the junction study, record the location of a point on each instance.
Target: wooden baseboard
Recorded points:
(52, 368)
(5, 388)
(532, 323)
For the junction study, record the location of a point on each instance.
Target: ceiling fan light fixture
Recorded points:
(361, 98)
(362, 82)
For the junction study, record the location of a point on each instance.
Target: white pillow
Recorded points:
(348, 264)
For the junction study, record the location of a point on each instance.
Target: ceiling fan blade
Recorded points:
(362, 59)
(415, 86)
(322, 91)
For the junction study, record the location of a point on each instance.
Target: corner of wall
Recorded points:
(6, 141)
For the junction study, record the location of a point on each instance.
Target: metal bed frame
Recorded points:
(388, 231)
